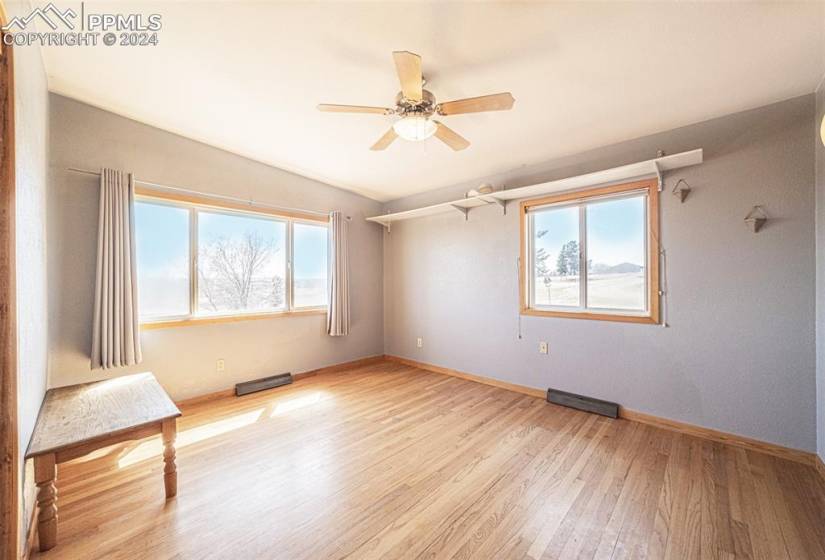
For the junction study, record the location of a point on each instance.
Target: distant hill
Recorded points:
(621, 268)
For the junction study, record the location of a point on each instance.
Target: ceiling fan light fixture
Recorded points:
(415, 128)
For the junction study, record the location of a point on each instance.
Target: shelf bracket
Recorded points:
(494, 200)
(503, 204)
(659, 175)
(465, 211)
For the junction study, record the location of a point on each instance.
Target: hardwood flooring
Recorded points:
(389, 461)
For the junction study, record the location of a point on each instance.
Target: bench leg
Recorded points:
(170, 471)
(45, 473)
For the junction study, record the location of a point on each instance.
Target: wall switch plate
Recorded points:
(542, 347)
(220, 365)
(419, 342)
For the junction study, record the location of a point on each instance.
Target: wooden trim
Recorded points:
(592, 316)
(207, 397)
(195, 321)
(582, 195)
(744, 442)
(208, 202)
(750, 444)
(224, 393)
(360, 362)
(531, 391)
(9, 452)
(649, 185)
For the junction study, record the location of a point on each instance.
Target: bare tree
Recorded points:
(229, 272)
(541, 265)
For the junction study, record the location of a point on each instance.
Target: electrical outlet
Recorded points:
(220, 365)
(419, 342)
(542, 347)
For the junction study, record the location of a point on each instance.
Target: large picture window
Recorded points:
(203, 262)
(592, 254)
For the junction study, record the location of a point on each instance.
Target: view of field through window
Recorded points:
(241, 265)
(615, 252)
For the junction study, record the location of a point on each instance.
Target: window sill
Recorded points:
(644, 319)
(228, 319)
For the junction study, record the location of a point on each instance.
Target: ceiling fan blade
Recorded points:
(494, 102)
(408, 66)
(384, 142)
(451, 137)
(327, 108)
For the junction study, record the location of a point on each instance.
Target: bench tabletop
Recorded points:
(80, 413)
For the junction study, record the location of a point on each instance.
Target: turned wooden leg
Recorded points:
(45, 473)
(170, 471)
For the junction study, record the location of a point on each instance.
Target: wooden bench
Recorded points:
(79, 419)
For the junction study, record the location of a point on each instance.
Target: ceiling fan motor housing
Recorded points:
(406, 107)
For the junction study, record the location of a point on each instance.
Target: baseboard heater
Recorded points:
(261, 384)
(580, 402)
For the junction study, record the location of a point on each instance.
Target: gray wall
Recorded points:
(184, 358)
(820, 268)
(738, 354)
(31, 170)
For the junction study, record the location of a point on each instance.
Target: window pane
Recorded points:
(241, 264)
(162, 234)
(556, 257)
(616, 254)
(310, 265)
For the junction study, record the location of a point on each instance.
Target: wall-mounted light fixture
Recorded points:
(756, 218)
(681, 189)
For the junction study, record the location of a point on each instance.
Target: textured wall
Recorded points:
(184, 358)
(31, 170)
(738, 354)
(820, 276)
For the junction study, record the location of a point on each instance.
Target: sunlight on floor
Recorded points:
(295, 404)
(154, 446)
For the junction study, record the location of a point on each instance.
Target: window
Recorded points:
(196, 261)
(162, 234)
(592, 254)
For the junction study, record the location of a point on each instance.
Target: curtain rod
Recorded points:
(210, 195)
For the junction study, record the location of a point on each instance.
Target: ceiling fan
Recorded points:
(416, 106)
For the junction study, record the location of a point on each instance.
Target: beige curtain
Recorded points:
(116, 332)
(338, 311)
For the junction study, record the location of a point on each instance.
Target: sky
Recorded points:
(615, 231)
(163, 239)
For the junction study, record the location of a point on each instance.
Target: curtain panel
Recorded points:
(338, 319)
(116, 329)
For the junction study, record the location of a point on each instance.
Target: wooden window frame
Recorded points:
(206, 204)
(651, 190)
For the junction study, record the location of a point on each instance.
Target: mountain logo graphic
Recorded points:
(48, 15)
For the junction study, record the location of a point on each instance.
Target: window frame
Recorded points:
(580, 199)
(195, 204)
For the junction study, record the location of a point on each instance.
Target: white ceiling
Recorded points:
(246, 77)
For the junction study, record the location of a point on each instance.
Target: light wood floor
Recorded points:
(388, 461)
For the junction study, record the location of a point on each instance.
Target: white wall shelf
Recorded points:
(650, 168)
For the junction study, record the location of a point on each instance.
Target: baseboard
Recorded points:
(361, 362)
(533, 392)
(225, 393)
(751, 444)
(788, 453)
